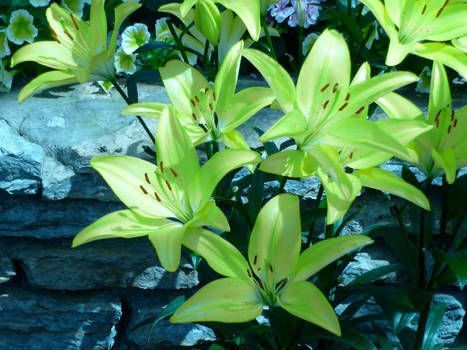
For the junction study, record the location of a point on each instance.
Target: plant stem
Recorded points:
(300, 48)
(205, 55)
(268, 38)
(422, 320)
(312, 226)
(282, 182)
(207, 148)
(444, 214)
(127, 100)
(178, 42)
(421, 251)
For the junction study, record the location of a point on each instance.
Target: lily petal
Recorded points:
(447, 161)
(167, 240)
(220, 254)
(448, 55)
(122, 11)
(249, 12)
(210, 215)
(46, 81)
(325, 252)
(304, 300)
(278, 79)
(119, 224)
(145, 109)
(292, 163)
(291, 124)
(209, 175)
(276, 239)
(229, 300)
(208, 20)
(98, 26)
(383, 180)
(48, 53)
(398, 107)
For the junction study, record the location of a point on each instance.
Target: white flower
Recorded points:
(5, 78)
(134, 36)
(162, 29)
(75, 6)
(424, 81)
(39, 3)
(21, 28)
(124, 63)
(4, 48)
(308, 43)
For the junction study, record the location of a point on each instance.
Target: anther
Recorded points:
(143, 189)
(214, 95)
(424, 9)
(325, 104)
(437, 115)
(255, 259)
(68, 35)
(74, 22)
(157, 196)
(452, 115)
(324, 87)
(147, 178)
(260, 284)
(437, 123)
(347, 97)
(351, 155)
(173, 172)
(248, 272)
(343, 106)
(161, 166)
(360, 110)
(442, 8)
(193, 103)
(210, 107)
(196, 98)
(335, 87)
(270, 268)
(194, 116)
(449, 129)
(168, 185)
(206, 90)
(455, 123)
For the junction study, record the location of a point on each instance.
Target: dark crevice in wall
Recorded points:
(121, 339)
(20, 277)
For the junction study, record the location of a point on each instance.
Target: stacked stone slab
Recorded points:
(91, 297)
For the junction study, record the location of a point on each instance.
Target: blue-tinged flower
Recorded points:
(124, 63)
(39, 3)
(21, 27)
(75, 6)
(308, 42)
(134, 36)
(4, 48)
(5, 78)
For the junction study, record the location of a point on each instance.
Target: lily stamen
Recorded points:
(442, 8)
(68, 35)
(157, 197)
(161, 166)
(341, 108)
(194, 116)
(168, 185)
(424, 9)
(74, 22)
(255, 259)
(143, 189)
(347, 97)
(325, 104)
(173, 172)
(359, 110)
(334, 89)
(455, 123)
(449, 129)
(197, 99)
(248, 272)
(324, 87)
(147, 178)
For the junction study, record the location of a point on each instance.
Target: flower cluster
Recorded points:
(288, 10)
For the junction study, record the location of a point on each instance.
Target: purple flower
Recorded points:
(280, 11)
(287, 9)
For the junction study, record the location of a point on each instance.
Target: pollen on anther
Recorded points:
(452, 115)
(196, 98)
(206, 90)
(455, 123)
(147, 178)
(347, 97)
(214, 95)
(334, 89)
(157, 196)
(194, 116)
(161, 166)
(260, 284)
(437, 115)
(325, 104)
(343, 106)
(210, 107)
(449, 129)
(442, 8)
(68, 35)
(360, 110)
(74, 22)
(248, 272)
(324, 87)
(193, 103)
(424, 9)
(437, 123)
(270, 268)
(173, 172)
(143, 189)
(168, 185)
(351, 155)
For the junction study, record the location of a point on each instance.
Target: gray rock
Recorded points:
(452, 321)
(31, 217)
(56, 179)
(7, 270)
(20, 162)
(54, 264)
(43, 321)
(164, 334)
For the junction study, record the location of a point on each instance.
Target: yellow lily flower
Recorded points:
(79, 52)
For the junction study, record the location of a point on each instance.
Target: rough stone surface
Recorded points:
(43, 321)
(108, 263)
(20, 161)
(7, 270)
(29, 216)
(164, 334)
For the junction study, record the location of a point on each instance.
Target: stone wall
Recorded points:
(91, 297)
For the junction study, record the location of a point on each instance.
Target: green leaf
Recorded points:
(249, 12)
(229, 300)
(214, 170)
(278, 79)
(119, 224)
(325, 252)
(208, 20)
(291, 163)
(145, 109)
(275, 239)
(153, 45)
(376, 273)
(457, 262)
(435, 317)
(383, 180)
(305, 301)
(220, 255)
